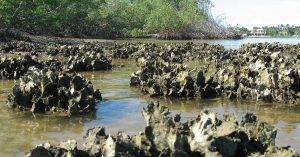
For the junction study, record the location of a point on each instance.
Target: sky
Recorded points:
(250, 13)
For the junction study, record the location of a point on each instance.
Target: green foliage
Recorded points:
(244, 30)
(297, 30)
(283, 30)
(172, 16)
(107, 18)
(51, 16)
(163, 18)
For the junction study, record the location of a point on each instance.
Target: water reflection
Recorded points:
(120, 115)
(20, 132)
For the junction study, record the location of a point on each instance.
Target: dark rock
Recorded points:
(88, 61)
(14, 68)
(68, 148)
(45, 90)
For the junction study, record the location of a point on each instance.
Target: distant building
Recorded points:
(258, 32)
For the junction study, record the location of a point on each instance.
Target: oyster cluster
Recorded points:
(15, 67)
(266, 72)
(88, 61)
(44, 90)
(167, 136)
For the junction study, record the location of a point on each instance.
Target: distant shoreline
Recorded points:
(272, 37)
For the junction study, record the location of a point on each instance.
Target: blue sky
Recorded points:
(251, 13)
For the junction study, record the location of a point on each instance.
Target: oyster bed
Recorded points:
(165, 135)
(44, 90)
(267, 72)
(260, 72)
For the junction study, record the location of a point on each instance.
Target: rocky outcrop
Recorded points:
(14, 68)
(45, 90)
(124, 51)
(68, 148)
(88, 61)
(131, 50)
(16, 65)
(266, 72)
(49, 48)
(160, 78)
(164, 135)
(70, 58)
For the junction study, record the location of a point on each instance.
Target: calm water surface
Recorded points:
(227, 43)
(237, 43)
(120, 111)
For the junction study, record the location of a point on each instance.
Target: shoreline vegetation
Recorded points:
(280, 31)
(272, 37)
(115, 19)
(124, 19)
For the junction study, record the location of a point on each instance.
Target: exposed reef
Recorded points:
(45, 90)
(262, 71)
(266, 72)
(166, 135)
(17, 66)
(14, 66)
(88, 61)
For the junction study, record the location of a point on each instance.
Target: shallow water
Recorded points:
(120, 111)
(227, 43)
